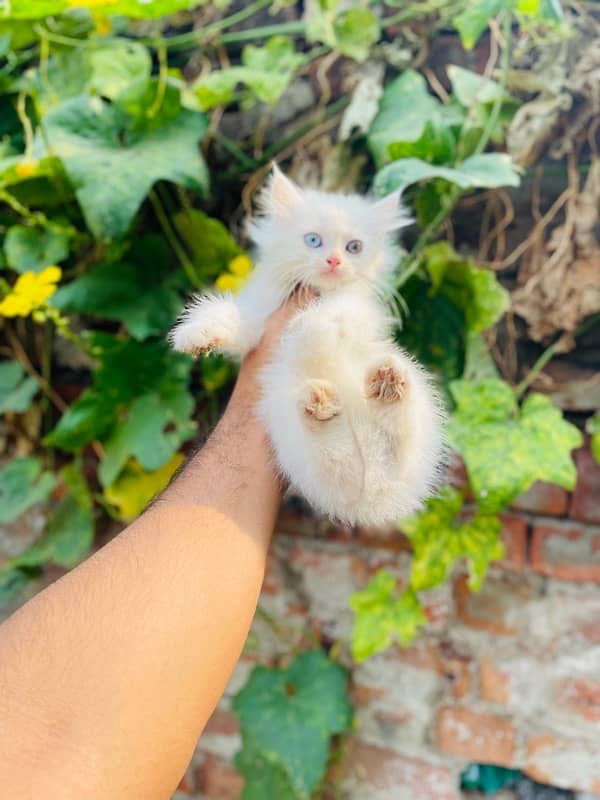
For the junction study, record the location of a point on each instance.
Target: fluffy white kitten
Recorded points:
(354, 422)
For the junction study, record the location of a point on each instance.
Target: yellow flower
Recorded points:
(30, 292)
(26, 168)
(102, 24)
(239, 268)
(91, 3)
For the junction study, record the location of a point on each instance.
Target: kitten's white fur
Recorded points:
(354, 421)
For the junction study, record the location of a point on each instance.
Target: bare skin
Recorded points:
(108, 677)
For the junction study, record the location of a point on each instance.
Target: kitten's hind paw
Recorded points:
(386, 382)
(321, 401)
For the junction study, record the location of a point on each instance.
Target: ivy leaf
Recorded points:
(288, 715)
(23, 484)
(264, 778)
(506, 448)
(25, 9)
(593, 428)
(471, 88)
(32, 249)
(128, 371)
(382, 617)
(135, 487)
(439, 540)
(16, 391)
(350, 31)
(405, 110)
(12, 583)
(208, 241)
(473, 289)
(487, 170)
(69, 532)
(475, 18)
(267, 71)
(136, 294)
(113, 157)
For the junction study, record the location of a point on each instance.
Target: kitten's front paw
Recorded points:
(386, 382)
(210, 323)
(321, 401)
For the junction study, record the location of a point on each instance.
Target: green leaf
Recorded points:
(506, 448)
(487, 170)
(23, 484)
(12, 583)
(472, 22)
(351, 31)
(439, 540)
(267, 71)
(473, 289)
(137, 294)
(113, 157)
(287, 717)
(25, 9)
(405, 110)
(593, 428)
(133, 377)
(33, 249)
(135, 487)
(264, 778)
(382, 617)
(16, 391)
(210, 245)
(472, 89)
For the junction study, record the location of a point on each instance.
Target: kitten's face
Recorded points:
(324, 240)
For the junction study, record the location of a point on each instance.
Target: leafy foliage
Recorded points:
(507, 448)
(383, 617)
(16, 391)
(287, 718)
(23, 484)
(593, 427)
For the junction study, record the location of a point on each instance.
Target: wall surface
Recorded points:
(509, 676)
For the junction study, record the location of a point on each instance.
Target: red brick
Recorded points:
(514, 536)
(565, 763)
(543, 498)
(222, 722)
(493, 683)
(568, 552)
(187, 784)
(475, 735)
(456, 474)
(495, 607)
(363, 695)
(376, 769)
(455, 667)
(580, 696)
(218, 780)
(585, 502)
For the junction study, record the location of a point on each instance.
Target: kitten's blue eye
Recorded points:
(354, 246)
(313, 240)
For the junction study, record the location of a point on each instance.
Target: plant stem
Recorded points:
(23, 359)
(171, 237)
(499, 99)
(539, 365)
(279, 28)
(234, 150)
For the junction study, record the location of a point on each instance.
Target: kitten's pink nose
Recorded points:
(333, 262)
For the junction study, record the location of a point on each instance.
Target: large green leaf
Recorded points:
(382, 617)
(267, 71)
(475, 18)
(406, 110)
(487, 170)
(439, 541)
(26, 9)
(506, 448)
(31, 249)
(136, 292)
(471, 88)
(210, 245)
(16, 391)
(133, 379)
(473, 289)
(23, 484)
(113, 157)
(265, 778)
(288, 715)
(135, 487)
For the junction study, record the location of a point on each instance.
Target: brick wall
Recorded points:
(509, 676)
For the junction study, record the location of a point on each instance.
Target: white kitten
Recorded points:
(354, 422)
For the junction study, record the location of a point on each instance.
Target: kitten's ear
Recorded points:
(281, 195)
(392, 213)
